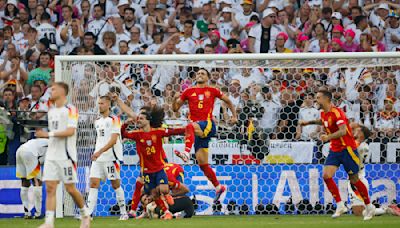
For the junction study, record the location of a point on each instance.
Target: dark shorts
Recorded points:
(152, 180)
(209, 129)
(347, 157)
(182, 204)
(180, 177)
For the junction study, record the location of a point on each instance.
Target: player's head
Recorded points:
(104, 103)
(202, 76)
(145, 199)
(324, 97)
(362, 133)
(59, 90)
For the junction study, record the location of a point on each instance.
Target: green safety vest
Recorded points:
(3, 139)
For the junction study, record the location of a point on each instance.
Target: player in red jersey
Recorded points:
(151, 153)
(199, 132)
(343, 150)
(175, 176)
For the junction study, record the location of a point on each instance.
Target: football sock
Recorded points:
(121, 200)
(210, 174)
(362, 189)
(136, 195)
(92, 199)
(330, 183)
(189, 137)
(24, 198)
(49, 217)
(37, 192)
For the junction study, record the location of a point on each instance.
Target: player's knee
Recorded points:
(353, 178)
(51, 189)
(326, 175)
(70, 188)
(115, 185)
(94, 183)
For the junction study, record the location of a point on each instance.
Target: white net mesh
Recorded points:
(268, 163)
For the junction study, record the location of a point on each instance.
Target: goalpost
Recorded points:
(266, 165)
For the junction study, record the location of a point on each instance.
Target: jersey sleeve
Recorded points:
(173, 131)
(217, 93)
(72, 117)
(340, 118)
(184, 95)
(116, 125)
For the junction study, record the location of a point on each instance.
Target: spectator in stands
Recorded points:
(262, 36)
(392, 31)
(336, 45)
(73, 39)
(89, 42)
(15, 72)
(109, 41)
(387, 121)
(41, 73)
(289, 115)
(308, 112)
(349, 45)
(187, 42)
(361, 27)
(248, 76)
(281, 40)
(317, 34)
(367, 114)
(270, 117)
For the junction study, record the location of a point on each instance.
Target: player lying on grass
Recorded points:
(183, 207)
(343, 150)
(149, 145)
(361, 135)
(106, 157)
(201, 98)
(175, 175)
(30, 156)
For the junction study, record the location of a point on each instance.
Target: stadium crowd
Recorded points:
(270, 101)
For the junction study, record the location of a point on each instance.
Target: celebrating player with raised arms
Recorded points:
(107, 156)
(61, 156)
(343, 150)
(29, 156)
(201, 98)
(151, 153)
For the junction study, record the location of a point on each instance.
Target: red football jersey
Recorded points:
(201, 102)
(149, 146)
(331, 121)
(173, 171)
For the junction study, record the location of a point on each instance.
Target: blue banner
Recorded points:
(249, 184)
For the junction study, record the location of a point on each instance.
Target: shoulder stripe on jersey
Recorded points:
(336, 112)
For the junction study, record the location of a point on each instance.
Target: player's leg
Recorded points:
(356, 202)
(25, 184)
(164, 199)
(193, 131)
(52, 177)
(120, 195)
(351, 165)
(38, 196)
(136, 196)
(96, 174)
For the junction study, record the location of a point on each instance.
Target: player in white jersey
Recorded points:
(108, 153)
(61, 157)
(45, 29)
(361, 134)
(30, 156)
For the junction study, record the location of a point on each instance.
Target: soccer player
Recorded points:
(61, 156)
(343, 150)
(361, 135)
(108, 153)
(182, 208)
(151, 153)
(201, 100)
(30, 156)
(175, 176)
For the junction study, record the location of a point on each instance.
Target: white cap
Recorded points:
(316, 3)
(337, 15)
(53, 47)
(12, 2)
(226, 10)
(122, 2)
(384, 6)
(286, 3)
(268, 12)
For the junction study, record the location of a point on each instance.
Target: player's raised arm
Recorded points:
(125, 108)
(231, 107)
(177, 103)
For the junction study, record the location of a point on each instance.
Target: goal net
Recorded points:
(269, 164)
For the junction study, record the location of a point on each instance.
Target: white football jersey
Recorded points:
(38, 147)
(363, 155)
(47, 31)
(105, 127)
(62, 148)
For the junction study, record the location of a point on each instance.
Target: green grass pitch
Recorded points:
(221, 222)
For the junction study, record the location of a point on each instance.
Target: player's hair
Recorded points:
(63, 85)
(326, 93)
(208, 73)
(157, 116)
(107, 98)
(365, 131)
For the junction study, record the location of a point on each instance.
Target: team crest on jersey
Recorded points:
(142, 140)
(194, 94)
(329, 120)
(207, 94)
(149, 142)
(154, 138)
(201, 97)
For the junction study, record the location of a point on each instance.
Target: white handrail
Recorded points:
(197, 57)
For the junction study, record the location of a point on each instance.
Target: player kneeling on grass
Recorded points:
(149, 145)
(108, 153)
(182, 208)
(361, 135)
(175, 175)
(30, 156)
